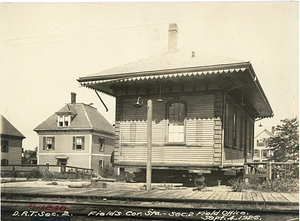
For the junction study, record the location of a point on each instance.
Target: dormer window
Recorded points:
(64, 120)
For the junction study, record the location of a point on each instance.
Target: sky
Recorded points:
(46, 47)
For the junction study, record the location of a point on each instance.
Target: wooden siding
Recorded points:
(131, 133)
(73, 160)
(108, 147)
(64, 143)
(167, 155)
(95, 162)
(14, 154)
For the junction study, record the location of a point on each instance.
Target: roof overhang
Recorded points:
(253, 90)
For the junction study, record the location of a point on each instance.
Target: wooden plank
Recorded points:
(247, 197)
(215, 196)
(236, 197)
(228, 196)
(290, 197)
(257, 197)
(223, 195)
(279, 198)
(202, 195)
(268, 198)
(191, 195)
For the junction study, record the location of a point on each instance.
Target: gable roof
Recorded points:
(8, 129)
(264, 131)
(86, 118)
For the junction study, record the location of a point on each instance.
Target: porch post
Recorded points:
(149, 144)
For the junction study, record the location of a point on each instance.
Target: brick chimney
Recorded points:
(173, 38)
(273, 130)
(73, 98)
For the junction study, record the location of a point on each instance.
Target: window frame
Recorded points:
(45, 143)
(101, 144)
(4, 146)
(61, 120)
(5, 162)
(75, 144)
(168, 104)
(101, 167)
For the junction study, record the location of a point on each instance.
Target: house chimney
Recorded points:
(173, 38)
(273, 130)
(73, 98)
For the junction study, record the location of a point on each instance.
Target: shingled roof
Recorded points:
(86, 118)
(8, 129)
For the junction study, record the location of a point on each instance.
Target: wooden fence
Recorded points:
(62, 169)
(269, 170)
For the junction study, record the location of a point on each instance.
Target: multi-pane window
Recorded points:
(101, 144)
(78, 143)
(176, 118)
(49, 143)
(64, 120)
(4, 162)
(256, 153)
(4, 146)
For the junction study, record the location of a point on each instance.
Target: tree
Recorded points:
(285, 143)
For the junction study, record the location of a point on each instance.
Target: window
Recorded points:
(49, 143)
(101, 144)
(4, 146)
(256, 153)
(4, 162)
(64, 120)
(78, 143)
(176, 118)
(265, 153)
(261, 142)
(101, 165)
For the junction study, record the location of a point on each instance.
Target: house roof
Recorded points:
(163, 62)
(182, 64)
(8, 129)
(86, 118)
(264, 131)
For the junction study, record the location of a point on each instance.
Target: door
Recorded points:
(63, 163)
(176, 118)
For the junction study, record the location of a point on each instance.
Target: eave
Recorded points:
(253, 90)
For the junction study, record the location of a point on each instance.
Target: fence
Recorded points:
(77, 172)
(269, 170)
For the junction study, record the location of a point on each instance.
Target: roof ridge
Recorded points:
(87, 116)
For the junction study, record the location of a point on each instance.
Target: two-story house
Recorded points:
(261, 150)
(76, 135)
(11, 143)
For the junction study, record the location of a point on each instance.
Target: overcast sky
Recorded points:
(45, 47)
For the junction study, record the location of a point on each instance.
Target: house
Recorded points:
(204, 109)
(261, 150)
(11, 143)
(76, 135)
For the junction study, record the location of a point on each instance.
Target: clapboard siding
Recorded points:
(167, 154)
(199, 131)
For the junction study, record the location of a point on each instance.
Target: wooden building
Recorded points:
(204, 109)
(76, 135)
(11, 143)
(261, 149)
